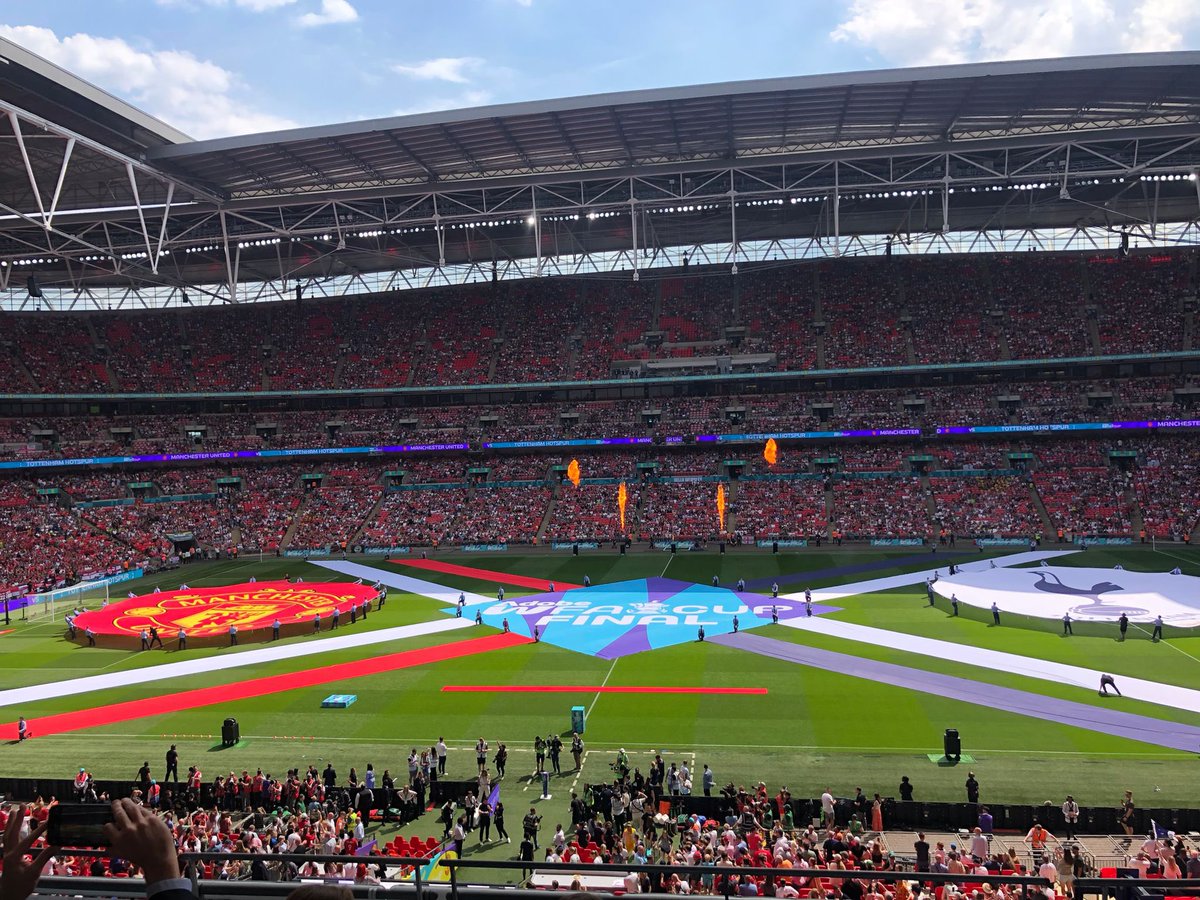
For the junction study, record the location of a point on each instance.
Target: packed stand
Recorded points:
(265, 505)
(863, 317)
(147, 527)
(781, 509)
(1167, 483)
(1042, 298)
(591, 513)
(339, 506)
(985, 507)
(144, 353)
(681, 511)
(1139, 302)
(888, 507)
(945, 298)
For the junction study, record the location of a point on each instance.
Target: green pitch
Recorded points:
(813, 729)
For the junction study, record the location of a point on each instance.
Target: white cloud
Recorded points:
(196, 95)
(938, 32)
(332, 12)
(465, 100)
(445, 68)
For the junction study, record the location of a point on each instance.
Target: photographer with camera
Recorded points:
(531, 823)
(135, 833)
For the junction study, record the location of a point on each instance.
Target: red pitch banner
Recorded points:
(210, 611)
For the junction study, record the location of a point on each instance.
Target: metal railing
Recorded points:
(462, 885)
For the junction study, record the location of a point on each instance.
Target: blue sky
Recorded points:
(217, 67)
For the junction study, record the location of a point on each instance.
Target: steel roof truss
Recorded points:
(814, 171)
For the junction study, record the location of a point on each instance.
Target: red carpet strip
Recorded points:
(433, 565)
(591, 689)
(258, 687)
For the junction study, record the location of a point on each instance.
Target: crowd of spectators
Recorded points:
(874, 458)
(987, 507)
(863, 314)
(925, 407)
(777, 308)
(1090, 486)
(144, 352)
(1166, 483)
(1085, 500)
(45, 546)
(521, 467)
(590, 512)
(775, 509)
(458, 515)
(414, 517)
(147, 527)
(679, 511)
(332, 514)
(946, 301)
(265, 504)
(1025, 289)
(893, 507)
(853, 312)
(92, 485)
(1138, 302)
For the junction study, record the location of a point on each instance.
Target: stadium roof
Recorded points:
(754, 120)
(53, 93)
(100, 196)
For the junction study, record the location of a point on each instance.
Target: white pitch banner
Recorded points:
(1089, 595)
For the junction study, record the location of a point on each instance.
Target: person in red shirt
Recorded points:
(81, 784)
(256, 789)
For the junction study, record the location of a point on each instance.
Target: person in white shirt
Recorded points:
(979, 844)
(1049, 871)
(1140, 863)
(827, 807)
(632, 883)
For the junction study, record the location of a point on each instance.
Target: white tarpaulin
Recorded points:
(1089, 595)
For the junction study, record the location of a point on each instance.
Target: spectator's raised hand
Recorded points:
(140, 836)
(20, 875)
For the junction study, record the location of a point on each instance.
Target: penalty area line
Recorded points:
(1167, 643)
(1182, 559)
(603, 684)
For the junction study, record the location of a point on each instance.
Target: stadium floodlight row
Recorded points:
(1049, 154)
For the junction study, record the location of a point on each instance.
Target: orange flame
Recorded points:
(771, 452)
(721, 506)
(621, 499)
(573, 472)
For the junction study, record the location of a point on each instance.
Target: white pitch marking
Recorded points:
(604, 683)
(1132, 688)
(74, 686)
